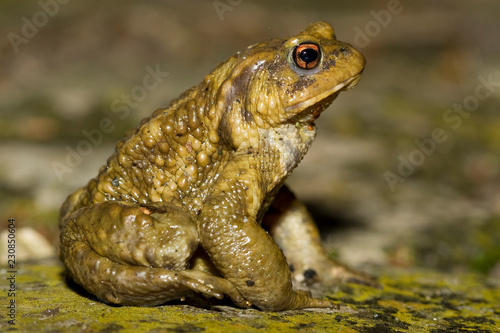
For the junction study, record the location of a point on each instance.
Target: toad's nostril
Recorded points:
(345, 50)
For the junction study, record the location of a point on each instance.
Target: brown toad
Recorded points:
(177, 209)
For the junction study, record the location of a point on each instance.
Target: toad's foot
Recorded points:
(134, 255)
(143, 286)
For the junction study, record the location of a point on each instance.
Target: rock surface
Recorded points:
(408, 301)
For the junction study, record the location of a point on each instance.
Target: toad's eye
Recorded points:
(306, 55)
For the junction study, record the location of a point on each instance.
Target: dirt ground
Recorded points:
(405, 170)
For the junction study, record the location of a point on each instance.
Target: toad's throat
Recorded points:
(312, 112)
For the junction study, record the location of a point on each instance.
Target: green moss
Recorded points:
(407, 302)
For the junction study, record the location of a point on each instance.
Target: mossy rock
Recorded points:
(407, 301)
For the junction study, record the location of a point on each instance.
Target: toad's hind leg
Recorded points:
(130, 255)
(294, 230)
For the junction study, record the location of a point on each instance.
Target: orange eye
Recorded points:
(306, 55)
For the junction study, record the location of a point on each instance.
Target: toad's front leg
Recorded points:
(242, 251)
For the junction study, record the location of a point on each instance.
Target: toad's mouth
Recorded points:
(327, 97)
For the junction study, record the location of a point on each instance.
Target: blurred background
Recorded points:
(405, 168)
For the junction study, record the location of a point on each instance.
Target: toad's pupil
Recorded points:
(308, 55)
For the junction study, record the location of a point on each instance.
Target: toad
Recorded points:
(192, 201)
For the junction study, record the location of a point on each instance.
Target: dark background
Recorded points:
(63, 65)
